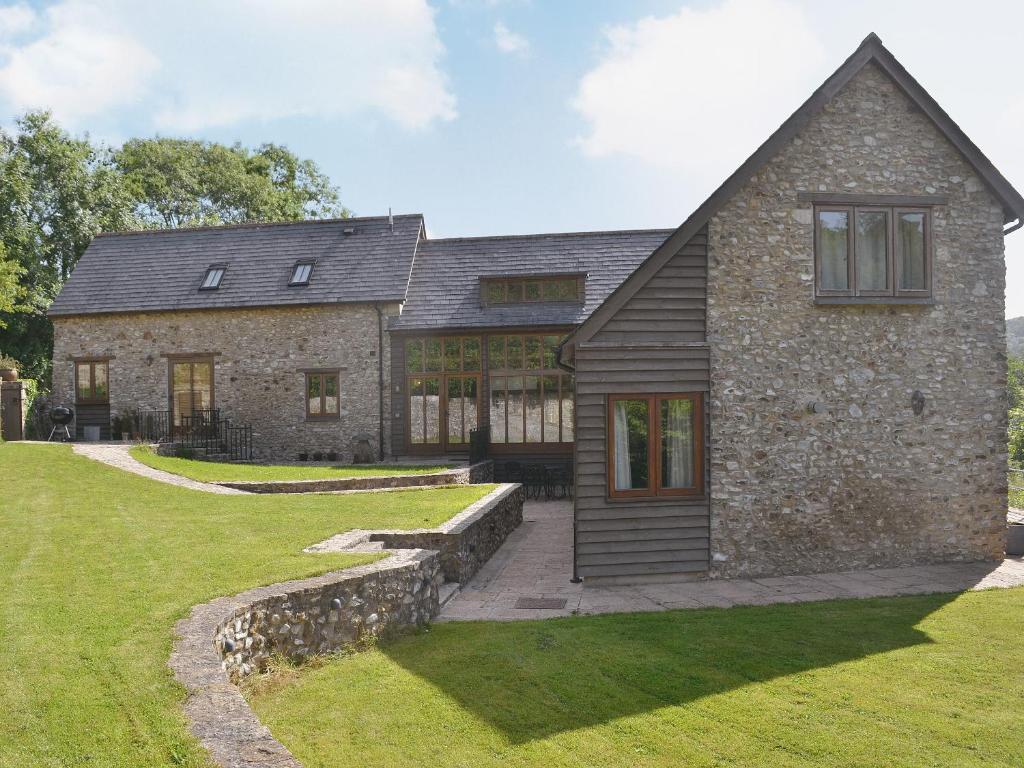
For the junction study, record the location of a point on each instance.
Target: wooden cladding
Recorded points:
(92, 385)
(527, 289)
(872, 253)
(655, 445)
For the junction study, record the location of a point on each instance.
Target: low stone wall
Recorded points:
(223, 640)
(469, 539)
(481, 472)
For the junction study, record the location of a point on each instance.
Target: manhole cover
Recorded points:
(552, 603)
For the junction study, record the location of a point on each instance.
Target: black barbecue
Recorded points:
(61, 416)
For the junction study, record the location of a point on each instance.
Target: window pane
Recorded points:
(469, 403)
(515, 292)
(910, 244)
(84, 381)
(497, 409)
(568, 424)
(515, 409)
(414, 355)
(496, 353)
(677, 446)
(566, 290)
(534, 412)
(531, 290)
(533, 353)
(550, 352)
(872, 262)
(515, 353)
(549, 290)
(416, 411)
(496, 292)
(452, 355)
(100, 381)
(202, 386)
(213, 277)
(433, 349)
(331, 394)
(432, 406)
(181, 394)
(552, 407)
(833, 243)
(313, 390)
(631, 445)
(471, 353)
(455, 411)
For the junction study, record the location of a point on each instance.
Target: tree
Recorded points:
(183, 182)
(1015, 387)
(11, 291)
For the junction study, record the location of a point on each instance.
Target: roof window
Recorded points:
(301, 273)
(214, 275)
(531, 289)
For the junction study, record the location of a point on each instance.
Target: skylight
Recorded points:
(213, 277)
(301, 273)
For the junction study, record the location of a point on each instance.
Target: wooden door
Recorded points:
(13, 424)
(443, 408)
(191, 388)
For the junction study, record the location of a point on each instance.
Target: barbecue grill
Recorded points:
(61, 416)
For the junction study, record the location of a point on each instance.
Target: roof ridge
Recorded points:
(255, 225)
(657, 230)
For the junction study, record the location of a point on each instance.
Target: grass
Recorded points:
(912, 681)
(214, 472)
(97, 564)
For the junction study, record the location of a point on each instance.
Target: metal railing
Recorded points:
(152, 426)
(202, 429)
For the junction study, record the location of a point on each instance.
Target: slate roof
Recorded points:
(444, 290)
(163, 269)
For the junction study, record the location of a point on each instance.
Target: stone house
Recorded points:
(808, 374)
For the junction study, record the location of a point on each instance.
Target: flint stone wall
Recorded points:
(259, 358)
(469, 539)
(866, 482)
(481, 472)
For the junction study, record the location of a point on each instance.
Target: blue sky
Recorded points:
(502, 116)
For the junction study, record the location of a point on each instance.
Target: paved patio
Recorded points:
(534, 566)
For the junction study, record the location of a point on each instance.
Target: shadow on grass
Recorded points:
(535, 679)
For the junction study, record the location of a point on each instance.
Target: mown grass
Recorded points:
(96, 565)
(215, 472)
(911, 681)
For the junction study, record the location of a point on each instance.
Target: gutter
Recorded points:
(575, 522)
(380, 381)
(1014, 227)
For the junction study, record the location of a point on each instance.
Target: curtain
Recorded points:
(677, 443)
(623, 474)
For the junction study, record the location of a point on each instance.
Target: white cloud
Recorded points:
(214, 64)
(509, 41)
(15, 20)
(692, 92)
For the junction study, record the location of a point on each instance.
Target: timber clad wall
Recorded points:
(655, 343)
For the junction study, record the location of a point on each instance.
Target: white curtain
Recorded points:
(677, 443)
(623, 474)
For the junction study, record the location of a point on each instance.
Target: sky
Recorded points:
(503, 116)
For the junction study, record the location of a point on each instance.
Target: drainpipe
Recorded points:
(575, 523)
(380, 380)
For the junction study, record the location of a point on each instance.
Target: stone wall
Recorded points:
(469, 539)
(865, 482)
(481, 472)
(258, 363)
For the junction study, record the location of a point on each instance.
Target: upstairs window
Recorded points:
(301, 273)
(213, 277)
(531, 289)
(91, 382)
(872, 253)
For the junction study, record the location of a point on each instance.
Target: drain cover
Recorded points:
(551, 603)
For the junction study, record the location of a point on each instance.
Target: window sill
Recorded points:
(877, 300)
(335, 417)
(680, 498)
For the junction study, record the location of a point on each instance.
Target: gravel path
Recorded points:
(116, 455)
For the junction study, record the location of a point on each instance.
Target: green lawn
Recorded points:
(214, 472)
(912, 681)
(97, 564)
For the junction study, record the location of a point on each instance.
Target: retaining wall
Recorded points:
(481, 472)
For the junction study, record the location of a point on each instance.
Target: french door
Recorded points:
(191, 385)
(443, 408)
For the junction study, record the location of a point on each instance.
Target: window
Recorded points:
(443, 378)
(213, 277)
(655, 445)
(530, 398)
(91, 385)
(301, 273)
(872, 252)
(322, 395)
(516, 290)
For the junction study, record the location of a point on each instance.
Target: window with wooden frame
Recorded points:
(530, 397)
(655, 445)
(872, 253)
(522, 289)
(91, 382)
(322, 397)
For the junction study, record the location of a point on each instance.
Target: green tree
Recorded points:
(183, 182)
(1015, 387)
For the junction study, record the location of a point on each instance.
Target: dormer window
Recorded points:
(521, 289)
(301, 273)
(213, 277)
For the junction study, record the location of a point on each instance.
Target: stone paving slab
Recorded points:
(116, 455)
(536, 561)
